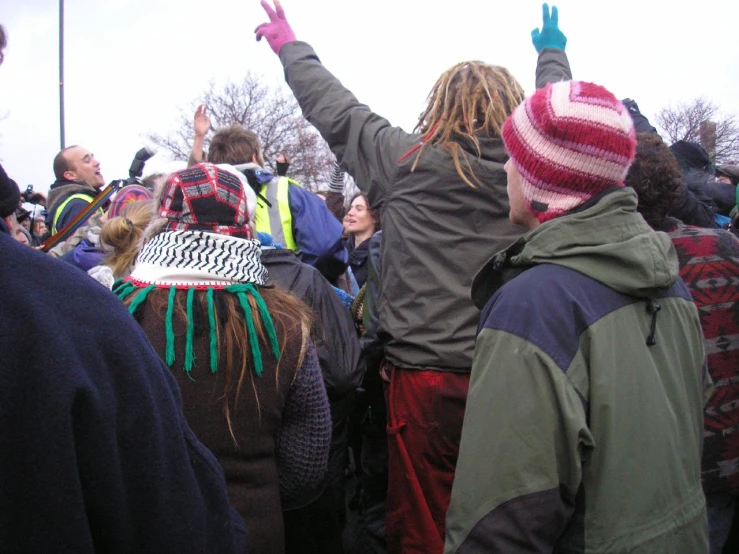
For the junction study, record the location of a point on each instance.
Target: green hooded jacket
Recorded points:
(584, 418)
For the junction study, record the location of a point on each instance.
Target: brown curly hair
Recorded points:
(655, 176)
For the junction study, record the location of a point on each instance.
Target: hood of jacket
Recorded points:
(608, 241)
(62, 188)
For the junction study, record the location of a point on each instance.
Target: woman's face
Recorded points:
(358, 219)
(40, 227)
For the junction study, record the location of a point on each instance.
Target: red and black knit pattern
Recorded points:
(206, 197)
(709, 265)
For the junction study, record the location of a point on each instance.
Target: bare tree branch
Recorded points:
(273, 115)
(683, 122)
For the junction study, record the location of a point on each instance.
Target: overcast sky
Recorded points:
(130, 64)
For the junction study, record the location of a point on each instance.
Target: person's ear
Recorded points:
(70, 175)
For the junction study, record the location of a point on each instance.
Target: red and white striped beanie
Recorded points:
(569, 141)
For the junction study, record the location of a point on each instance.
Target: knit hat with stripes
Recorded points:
(570, 141)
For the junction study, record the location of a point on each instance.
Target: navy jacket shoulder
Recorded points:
(550, 306)
(95, 453)
(317, 233)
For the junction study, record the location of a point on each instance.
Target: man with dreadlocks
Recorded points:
(441, 192)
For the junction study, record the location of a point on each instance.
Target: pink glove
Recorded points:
(278, 30)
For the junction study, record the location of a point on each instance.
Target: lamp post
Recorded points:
(61, 72)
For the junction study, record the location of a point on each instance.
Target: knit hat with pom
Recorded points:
(570, 141)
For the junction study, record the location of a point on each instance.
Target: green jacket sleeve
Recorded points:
(523, 439)
(366, 145)
(551, 67)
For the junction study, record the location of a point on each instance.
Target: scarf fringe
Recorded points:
(125, 287)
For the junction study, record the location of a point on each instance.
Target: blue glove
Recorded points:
(550, 35)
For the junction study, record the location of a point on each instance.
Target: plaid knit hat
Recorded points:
(570, 141)
(125, 196)
(208, 197)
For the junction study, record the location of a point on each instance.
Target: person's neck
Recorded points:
(359, 238)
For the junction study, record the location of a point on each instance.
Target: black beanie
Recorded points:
(10, 194)
(691, 155)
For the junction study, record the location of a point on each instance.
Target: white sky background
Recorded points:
(129, 64)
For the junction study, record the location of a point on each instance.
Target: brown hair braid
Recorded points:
(470, 99)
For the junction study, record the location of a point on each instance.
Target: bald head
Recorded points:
(78, 164)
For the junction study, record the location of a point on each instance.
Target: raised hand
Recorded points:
(278, 30)
(202, 121)
(550, 35)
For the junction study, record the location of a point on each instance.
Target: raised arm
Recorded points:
(366, 145)
(550, 43)
(201, 126)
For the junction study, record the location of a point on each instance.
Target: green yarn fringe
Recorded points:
(169, 351)
(125, 290)
(242, 291)
(213, 333)
(267, 321)
(256, 352)
(269, 325)
(117, 284)
(140, 299)
(189, 353)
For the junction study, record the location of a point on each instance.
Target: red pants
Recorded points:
(425, 414)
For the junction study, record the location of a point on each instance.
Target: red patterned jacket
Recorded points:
(709, 265)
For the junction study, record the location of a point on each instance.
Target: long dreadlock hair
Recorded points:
(469, 100)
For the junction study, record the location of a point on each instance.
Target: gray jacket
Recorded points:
(438, 230)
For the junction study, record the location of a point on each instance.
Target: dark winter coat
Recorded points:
(59, 191)
(95, 453)
(439, 229)
(333, 330)
(358, 260)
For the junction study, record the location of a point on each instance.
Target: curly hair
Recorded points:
(374, 213)
(469, 100)
(655, 176)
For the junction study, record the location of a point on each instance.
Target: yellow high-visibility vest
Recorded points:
(277, 220)
(63, 205)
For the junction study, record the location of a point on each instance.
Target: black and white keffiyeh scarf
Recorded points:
(200, 259)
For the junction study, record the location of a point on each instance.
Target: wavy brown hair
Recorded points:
(122, 235)
(469, 100)
(374, 213)
(291, 319)
(655, 176)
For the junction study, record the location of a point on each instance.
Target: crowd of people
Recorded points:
(521, 335)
